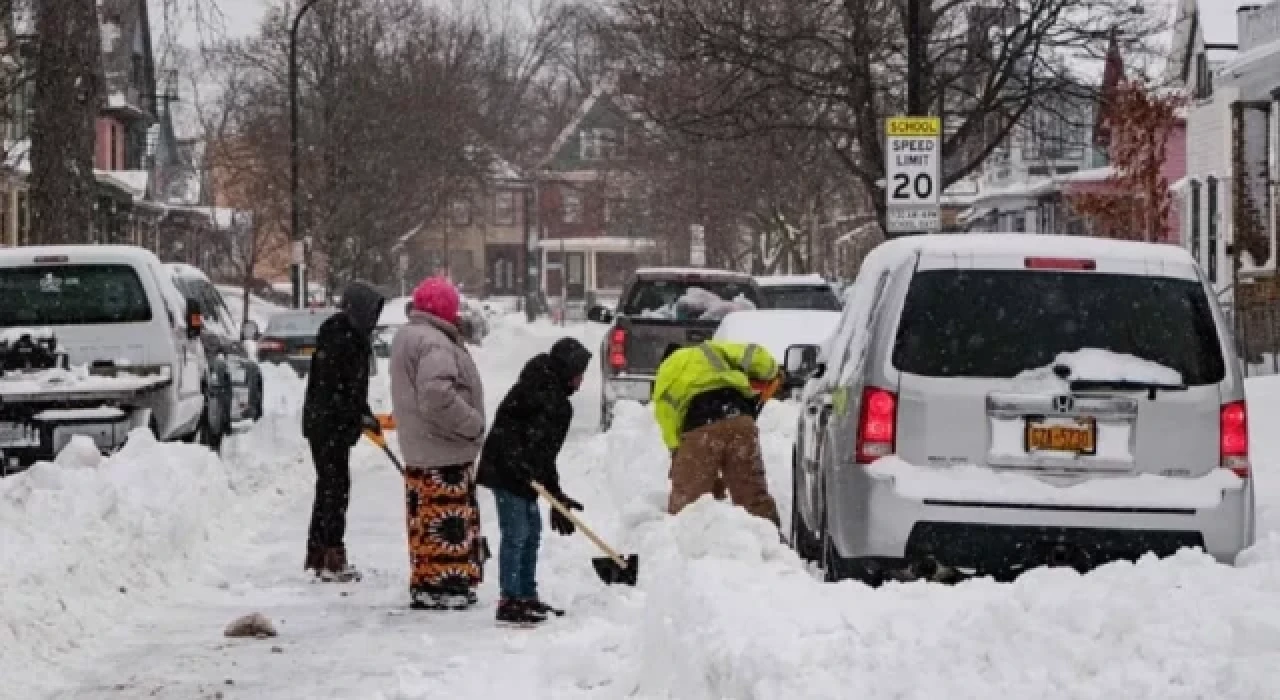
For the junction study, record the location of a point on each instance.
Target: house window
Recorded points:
(1204, 77)
(572, 208)
(598, 144)
(460, 212)
(1194, 242)
(504, 208)
(1211, 253)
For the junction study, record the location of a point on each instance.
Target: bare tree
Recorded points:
(728, 69)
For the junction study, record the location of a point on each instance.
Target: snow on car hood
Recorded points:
(778, 329)
(1094, 364)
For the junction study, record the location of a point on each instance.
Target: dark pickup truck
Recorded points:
(658, 307)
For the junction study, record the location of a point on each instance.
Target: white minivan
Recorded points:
(114, 306)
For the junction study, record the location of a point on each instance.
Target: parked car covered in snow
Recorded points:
(776, 330)
(132, 348)
(290, 338)
(659, 307)
(992, 403)
(224, 341)
(798, 292)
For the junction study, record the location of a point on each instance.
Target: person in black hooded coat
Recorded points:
(528, 431)
(334, 413)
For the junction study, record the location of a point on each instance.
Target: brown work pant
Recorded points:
(728, 450)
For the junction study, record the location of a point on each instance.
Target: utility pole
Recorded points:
(297, 248)
(915, 60)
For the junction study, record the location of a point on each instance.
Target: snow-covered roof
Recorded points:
(87, 253)
(132, 181)
(790, 280)
(598, 243)
(185, 270)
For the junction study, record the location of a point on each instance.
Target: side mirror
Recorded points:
(600, 314)
(800, 364)
(249, 331)
(195, 319)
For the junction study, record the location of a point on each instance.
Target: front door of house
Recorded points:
(575, 276)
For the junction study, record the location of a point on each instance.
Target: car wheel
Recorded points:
(802, 539)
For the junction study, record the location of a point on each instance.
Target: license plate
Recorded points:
(306, 352)
(1079, 436)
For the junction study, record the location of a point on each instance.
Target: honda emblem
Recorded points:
(1064, 404)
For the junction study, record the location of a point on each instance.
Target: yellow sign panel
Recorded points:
(913, 126)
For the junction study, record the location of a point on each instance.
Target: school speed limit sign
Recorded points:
(913, 153)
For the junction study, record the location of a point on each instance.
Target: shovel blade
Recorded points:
(610, 573)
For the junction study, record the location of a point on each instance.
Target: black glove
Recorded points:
(370, 424)
(561, 524)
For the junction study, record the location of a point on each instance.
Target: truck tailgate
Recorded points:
(647, 339)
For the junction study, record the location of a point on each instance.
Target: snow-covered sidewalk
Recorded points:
(722, 610)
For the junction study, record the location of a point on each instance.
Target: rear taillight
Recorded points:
(1061, 264)
(617, 349)
(877, 425)
(270, 345)
(1235, 439)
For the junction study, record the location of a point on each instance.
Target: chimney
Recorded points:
(1257, 25)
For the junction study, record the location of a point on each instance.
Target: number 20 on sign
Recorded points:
(912, 157)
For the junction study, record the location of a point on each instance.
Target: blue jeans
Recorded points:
(521, 527)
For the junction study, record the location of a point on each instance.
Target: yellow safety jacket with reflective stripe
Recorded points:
(705, 367)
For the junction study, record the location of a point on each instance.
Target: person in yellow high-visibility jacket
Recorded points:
(706, 398)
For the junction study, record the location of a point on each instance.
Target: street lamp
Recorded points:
(297, 271)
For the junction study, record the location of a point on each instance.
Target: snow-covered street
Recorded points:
(118, 581)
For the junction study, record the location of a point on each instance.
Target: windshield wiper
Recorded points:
(1125, 385)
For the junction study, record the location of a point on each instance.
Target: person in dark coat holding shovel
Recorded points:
(335, 412)
(528, 432)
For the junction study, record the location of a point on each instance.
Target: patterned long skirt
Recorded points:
(443, 524)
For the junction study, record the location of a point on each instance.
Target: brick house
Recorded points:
(590, 237)
(479, 240)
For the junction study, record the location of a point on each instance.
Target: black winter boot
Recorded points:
(516, 613)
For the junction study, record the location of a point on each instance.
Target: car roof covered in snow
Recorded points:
(778, 329)
(1005, 248)
(27, 255)
(813, 280)
(689, 272)
(185, 270)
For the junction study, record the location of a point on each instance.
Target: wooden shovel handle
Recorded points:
(542, 491)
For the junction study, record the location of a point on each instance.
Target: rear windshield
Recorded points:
(297, 324)
(72, 295)
(999, 323)
(816, 298)
(658, 297)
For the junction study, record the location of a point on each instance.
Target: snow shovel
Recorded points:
(611, 569)
(381, 441)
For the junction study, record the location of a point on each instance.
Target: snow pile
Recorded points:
(86, 541)
(742, 619)
(1097, 365)
(700, 304)
(973, 484)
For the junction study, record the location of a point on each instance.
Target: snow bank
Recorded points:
(734, 614)
(87, 541)
(8, 336)
(1094, 364)
(973, 484)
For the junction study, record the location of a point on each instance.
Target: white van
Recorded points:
(113, 306)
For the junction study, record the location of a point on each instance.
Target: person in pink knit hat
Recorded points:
(438, 402)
